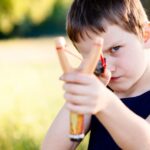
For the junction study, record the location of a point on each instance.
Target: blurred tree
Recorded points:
(5, 11)
(146, 4)
(17, 12)
(39, 10)
(53, 24)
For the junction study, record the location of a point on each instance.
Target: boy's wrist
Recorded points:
(111, 101)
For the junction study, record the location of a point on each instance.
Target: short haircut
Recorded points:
(91, 15)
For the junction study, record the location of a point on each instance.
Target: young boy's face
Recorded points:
(124, 55)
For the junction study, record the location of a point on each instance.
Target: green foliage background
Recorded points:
(32, 17)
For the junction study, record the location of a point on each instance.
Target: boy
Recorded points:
(117, 118)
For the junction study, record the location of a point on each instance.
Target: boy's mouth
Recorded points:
(114, 78)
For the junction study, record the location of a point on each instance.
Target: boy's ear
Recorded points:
(146, 36)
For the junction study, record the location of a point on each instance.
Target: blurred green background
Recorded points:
(32, 18)
(30, 91)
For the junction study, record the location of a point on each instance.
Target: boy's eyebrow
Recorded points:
(113, 45)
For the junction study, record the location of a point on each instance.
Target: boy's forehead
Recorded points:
(113, 34)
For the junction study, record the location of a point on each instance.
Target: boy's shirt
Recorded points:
(101, 139)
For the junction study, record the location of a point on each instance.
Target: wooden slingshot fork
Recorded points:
(88, 66)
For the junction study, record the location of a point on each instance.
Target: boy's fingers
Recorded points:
(77, 78)
(75, 89)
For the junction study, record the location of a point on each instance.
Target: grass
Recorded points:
(30, 92)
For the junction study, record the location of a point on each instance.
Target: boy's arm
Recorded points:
(57, 137)
(130, 131)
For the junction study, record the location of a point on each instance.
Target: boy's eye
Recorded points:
(114, 49)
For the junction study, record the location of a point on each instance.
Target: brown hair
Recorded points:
(91, 14)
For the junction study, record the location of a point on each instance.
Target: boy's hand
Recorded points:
(105, 78)
(85, 93)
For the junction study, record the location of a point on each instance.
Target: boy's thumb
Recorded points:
(105, 77)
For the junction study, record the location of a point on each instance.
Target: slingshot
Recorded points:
(88, 66)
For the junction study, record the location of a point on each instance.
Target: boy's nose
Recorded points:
(111, 68)
(110, 65)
